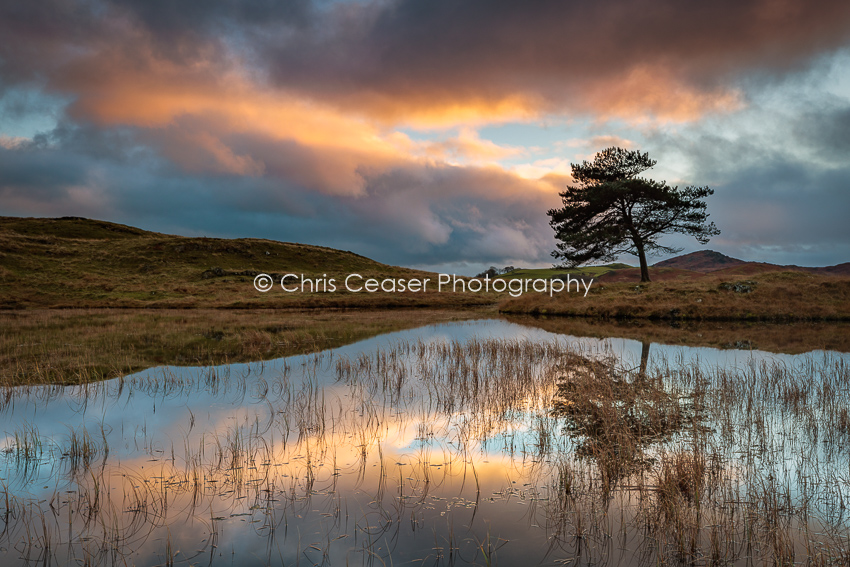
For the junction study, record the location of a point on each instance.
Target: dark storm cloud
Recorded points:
(785, 204)
(826, 132)
(169, 18)
(783, 200)
(391, 58)
(37, 174)
(414, 213)
(36, 35)
(410, 53)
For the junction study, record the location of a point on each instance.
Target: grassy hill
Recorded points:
(75, 262)
(701, 261)
(82, 263)
(707, 261)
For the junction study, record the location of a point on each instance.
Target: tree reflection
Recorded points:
(614, 415)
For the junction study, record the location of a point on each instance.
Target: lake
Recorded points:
(471, 442)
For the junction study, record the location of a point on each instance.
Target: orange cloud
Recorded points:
(544, 167)
(12, 142)
(415, 64)
(193, 115)
(655, 93)
(198, 116)
(468, 147)
(444, 109)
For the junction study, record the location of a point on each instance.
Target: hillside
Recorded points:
(701, 261)
(709, 261)
(82, 263)
(656, 274)
(75, 262)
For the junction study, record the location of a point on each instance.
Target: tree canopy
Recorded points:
(611, 211)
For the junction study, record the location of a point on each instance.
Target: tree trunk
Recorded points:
(644, 359)
(644, 269)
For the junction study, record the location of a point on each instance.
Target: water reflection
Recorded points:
(452, 444)
(616, 415)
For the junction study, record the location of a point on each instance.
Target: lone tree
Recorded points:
(612, 211)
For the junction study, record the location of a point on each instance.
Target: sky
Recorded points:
(426, 133)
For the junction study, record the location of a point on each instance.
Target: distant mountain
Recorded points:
(749, 268)
(707, 261)
(702, 261)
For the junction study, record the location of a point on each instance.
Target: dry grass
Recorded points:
(79, 263)
(615, 417)
(778, 296)
(85, 345)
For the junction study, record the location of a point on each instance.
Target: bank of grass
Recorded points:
(774, 296)
(83, 263)
(87, 345)
(72, 346)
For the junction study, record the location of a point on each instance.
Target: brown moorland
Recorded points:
(706, 261)
(74, 346)
(769, 296)
(83, 263)
(67, 346)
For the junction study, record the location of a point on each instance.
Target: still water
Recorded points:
(433, 446)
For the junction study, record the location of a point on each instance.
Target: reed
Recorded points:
(353, 458)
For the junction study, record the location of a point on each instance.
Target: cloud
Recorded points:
(427, 63)
(12, 142)
(437, 61)
(415, 212)
(301, 120)
(780, 193)
(469, 147)
(38, 182)
(545, 167)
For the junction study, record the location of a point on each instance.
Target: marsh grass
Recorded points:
(614, 416)
(673, 464)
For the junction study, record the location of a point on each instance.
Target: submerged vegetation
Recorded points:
(439, 450)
